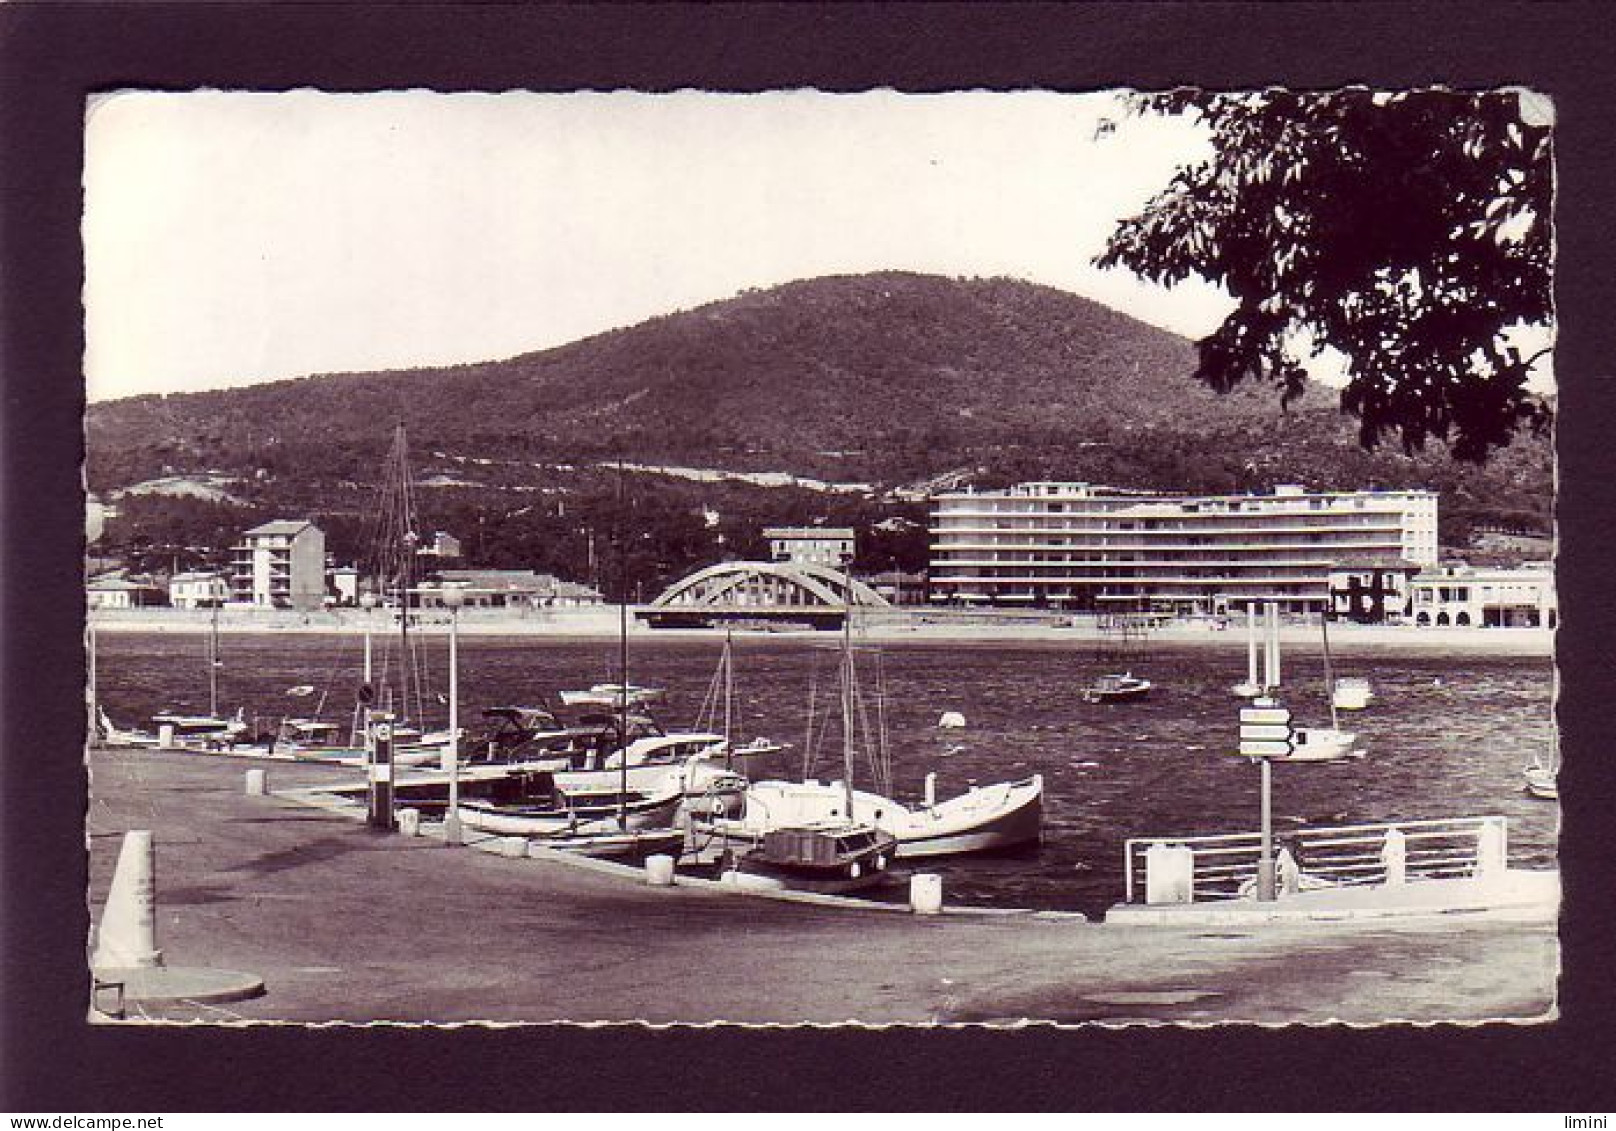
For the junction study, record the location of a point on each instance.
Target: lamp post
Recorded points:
(453, 598)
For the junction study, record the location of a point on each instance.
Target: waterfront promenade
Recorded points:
(887, 626)
(343, 923)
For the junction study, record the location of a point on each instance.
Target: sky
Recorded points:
(234, 238)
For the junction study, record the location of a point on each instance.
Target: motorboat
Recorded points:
(991, 818)
(1116, 688)
(611, 695)
(1542, 782)
(831, 857)
(1352, 693)
(1323, 744)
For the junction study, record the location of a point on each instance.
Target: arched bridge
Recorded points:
(766, 592)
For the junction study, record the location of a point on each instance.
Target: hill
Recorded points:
(888, 379)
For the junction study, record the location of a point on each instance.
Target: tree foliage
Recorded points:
(1409, 231)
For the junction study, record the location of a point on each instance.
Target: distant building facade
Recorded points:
(118, 591)
(280, 565)
(1083, 546)
(443, 547)
(1462, 596)
(200, 589)
(507, 588)
(825, 546)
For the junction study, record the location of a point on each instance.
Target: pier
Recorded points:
(346, 923)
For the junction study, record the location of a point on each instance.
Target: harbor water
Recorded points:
(1446, 736)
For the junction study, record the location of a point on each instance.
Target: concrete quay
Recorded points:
(346, 924)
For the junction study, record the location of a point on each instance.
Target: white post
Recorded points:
(1265, 863)
(1490, 859)
(931, 789)
(257, 783)
(1394, 856)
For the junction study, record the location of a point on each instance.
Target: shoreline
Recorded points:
(922, 626)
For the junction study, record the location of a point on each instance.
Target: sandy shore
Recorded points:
(894, 626)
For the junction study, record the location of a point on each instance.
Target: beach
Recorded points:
(886, 626)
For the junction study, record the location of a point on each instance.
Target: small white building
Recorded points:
(115, 591)
(343, 584)
(1462, 596)
(825, 546)
(200, 589)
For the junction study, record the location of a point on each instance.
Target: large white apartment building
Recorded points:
(280, 564)
(1083, 546)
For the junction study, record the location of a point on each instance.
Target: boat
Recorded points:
(1118, 687)
(992, 818)
(1314, 744)
(843, 853)
(610, 695)
(212, 731)
(1542, 782)
(833, 857)
(559, 815)
(1352, 693)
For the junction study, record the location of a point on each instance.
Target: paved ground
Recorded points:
(346, 924)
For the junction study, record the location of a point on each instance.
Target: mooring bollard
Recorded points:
(1169, 873)
(165, 736)
(659, 871)
(409, 822)
(257, 783)
(1394, 857)
(381, 777)
(926, 893)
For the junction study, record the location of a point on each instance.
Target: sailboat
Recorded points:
(839, 851)
(983, 819)
(602, 811)
(209, 731)
(1317, 744)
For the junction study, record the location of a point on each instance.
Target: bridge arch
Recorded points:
(739, 586)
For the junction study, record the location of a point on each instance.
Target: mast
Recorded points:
(622, 659)
(729, 695)
(1251, 644)
(1329, 677)
(213, 666)
(847, 684)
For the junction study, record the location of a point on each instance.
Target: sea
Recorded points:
(1446, 736)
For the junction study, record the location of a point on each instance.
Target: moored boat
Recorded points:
(993, 818)
(1542, 782)
(1119, 687)
(832, 857)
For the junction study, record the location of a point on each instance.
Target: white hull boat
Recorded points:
(1542, 782)
(983, 819)
(1323, 744)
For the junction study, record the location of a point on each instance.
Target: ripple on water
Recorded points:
(1447, 736)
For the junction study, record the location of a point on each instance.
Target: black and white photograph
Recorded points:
(957, 559)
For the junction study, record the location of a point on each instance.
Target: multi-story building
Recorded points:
(280, 565)
(1463, 596)
(827, 546)
(198, 590)
(1083, 546)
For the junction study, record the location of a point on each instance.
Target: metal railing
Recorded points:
(1225, 866)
